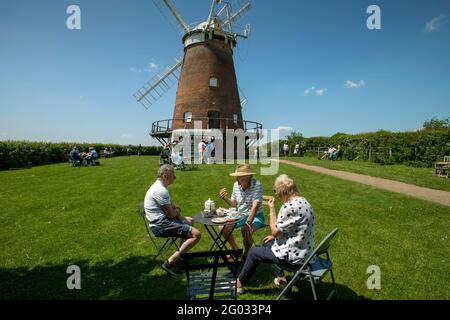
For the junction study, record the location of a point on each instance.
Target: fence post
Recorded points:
(370, 154)
(390, 154)
(415, 153)
(318, 152)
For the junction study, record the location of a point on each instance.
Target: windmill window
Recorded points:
(235, 118)
(213, 82)
(188, 117)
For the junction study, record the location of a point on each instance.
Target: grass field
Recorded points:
(423, 177)
(55, 216)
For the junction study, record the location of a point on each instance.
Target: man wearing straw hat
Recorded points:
(247, 198)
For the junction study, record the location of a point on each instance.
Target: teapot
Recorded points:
(210, 206)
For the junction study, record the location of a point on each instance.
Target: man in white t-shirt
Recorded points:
(165, 219)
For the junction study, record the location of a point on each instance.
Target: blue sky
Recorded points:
(63, 85)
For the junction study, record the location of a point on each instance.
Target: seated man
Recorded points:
(247, 198)
(74, 157)
(91, 156)
(165, 219)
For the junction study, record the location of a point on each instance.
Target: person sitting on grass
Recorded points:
(292, 238)
(247, 198)
(165, 219)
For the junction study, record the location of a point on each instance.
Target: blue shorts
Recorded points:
(258, 222)
(171, 228)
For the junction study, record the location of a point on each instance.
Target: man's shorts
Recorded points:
(258, 222)
(171, 228)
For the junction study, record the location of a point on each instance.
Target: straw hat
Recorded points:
(242, 170)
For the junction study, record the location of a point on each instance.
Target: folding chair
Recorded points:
(314, 272)
(168, 243)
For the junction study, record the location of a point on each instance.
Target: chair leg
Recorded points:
(313, 287)
(334, 284)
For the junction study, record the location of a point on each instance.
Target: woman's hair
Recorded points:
(285, 187)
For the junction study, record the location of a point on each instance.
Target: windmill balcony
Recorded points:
(164, 128)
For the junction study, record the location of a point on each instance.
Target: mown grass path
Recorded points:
(437, 196)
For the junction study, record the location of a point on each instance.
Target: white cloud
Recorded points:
(152, 67)
(126, 135)
(307, 91)
(285, 128)
(351, 85)
(435, 23)
(321, 92)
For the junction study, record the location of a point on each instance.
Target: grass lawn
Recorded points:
(423, 177)
(55, 216)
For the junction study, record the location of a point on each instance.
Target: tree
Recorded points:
(294, 138)
(436, 124)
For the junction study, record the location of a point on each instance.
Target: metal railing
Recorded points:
(166, 126)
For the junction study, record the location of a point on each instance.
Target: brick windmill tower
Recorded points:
(207, 93)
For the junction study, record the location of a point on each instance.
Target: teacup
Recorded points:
(220, 212)
(234, 214)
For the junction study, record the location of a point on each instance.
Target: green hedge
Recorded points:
(419, 148)
(22, 154)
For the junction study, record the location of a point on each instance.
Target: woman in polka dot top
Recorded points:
(292, 238)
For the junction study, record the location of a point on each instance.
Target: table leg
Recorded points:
(218, 238)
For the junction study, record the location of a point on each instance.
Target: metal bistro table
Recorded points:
(216, 236)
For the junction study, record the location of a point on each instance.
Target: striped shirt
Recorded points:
(246, 197)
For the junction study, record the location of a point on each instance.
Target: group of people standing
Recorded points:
(297, 149)
(292, 230)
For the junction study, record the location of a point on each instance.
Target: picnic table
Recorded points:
(442, 169)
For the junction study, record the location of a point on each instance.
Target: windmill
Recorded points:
(207, 84)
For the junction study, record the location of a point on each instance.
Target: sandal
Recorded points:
(279, 284)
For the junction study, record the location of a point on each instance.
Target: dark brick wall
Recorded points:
(212, 58)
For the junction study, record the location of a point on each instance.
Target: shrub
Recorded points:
(23, 154)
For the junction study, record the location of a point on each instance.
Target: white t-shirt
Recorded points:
(201, 146)
(286, 147)
(156, 197)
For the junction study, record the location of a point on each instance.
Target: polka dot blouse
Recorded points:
(296, 222)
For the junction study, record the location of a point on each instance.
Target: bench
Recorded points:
(442, 169)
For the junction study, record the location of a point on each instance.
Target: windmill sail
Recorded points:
(244, 6)
(173, 17)
(244, 99)
(153, 90)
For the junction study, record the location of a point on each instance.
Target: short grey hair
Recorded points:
(164, 170)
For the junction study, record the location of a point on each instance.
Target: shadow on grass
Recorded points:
(261, 284)
(133, 278)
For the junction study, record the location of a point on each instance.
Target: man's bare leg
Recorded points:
(225, 232)
(194, 237)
